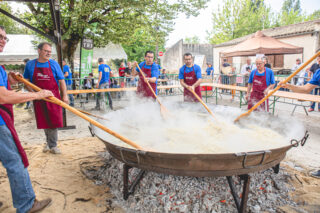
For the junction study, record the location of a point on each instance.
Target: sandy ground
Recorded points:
(61, 176)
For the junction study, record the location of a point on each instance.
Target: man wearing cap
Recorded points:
(47, 74)
(12, 154)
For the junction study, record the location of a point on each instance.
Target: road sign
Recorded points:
(160, 53)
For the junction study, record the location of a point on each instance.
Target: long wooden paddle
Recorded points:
(201, 101)
(164, 111)
(278, 87)
(75, 111)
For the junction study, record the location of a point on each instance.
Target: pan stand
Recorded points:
(126, 189)
(240, 204)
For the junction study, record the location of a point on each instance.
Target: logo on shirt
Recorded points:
(106, 69)
(257, 82)
(189, 78)
(43, 77)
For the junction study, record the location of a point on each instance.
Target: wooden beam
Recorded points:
(52, 38)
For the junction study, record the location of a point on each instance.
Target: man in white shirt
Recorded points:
(246, 70)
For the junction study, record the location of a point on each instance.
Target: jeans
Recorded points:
(316, 91)
(104, 86)
(21, 188)
(52, 137)
(69, 87)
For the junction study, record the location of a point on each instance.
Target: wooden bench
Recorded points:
(301, 97)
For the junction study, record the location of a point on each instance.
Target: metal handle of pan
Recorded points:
(302, 142)
(245, 154)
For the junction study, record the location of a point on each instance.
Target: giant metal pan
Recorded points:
(197, 165)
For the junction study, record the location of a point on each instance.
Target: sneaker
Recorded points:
(46, 148)
(39, 205)
(310, 110)
(316, 174)
(55, 150)
(96, 108)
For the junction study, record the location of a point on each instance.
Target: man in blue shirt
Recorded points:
(47, 74)
(190, 78)
(104, 82)
(261, 81)
(151, 74)
(12, 155)
(209, 69)
(307, 88)
(68, 79)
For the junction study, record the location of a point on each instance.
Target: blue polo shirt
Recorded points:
(55, 67)
(154, 68)
(269, 76)
(69, 78)
(186, 69)
(3, 83)
(105, 70)
(315, 78)
(209, 69)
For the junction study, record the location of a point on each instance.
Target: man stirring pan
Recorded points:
(151, 73)
(12, 154)
(190, 77)
(47, 74)
(261, 81)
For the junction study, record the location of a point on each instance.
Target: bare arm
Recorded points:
(66, 74)
(100, 76)
(270, 87)
(198, 82)
(248, 90)
(307, 88)
(183, 84)
(11, 97)
(63, 91)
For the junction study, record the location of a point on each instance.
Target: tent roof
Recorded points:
(261, 44)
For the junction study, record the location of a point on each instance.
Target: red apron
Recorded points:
(190, 78)
(259, 84)
(48, 115)
(143, 89)
(6, 112)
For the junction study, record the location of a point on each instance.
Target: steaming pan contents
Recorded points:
(190, 129)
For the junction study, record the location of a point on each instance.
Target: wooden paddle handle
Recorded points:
(144, 78)
(75, 111)
(201, 101)
(279, 86)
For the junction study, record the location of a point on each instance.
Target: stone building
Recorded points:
(172, 59)
(305, 34)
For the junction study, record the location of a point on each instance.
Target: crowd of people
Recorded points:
(54, 81)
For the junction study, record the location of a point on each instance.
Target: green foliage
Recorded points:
(192, 40)
(242, 17)
(11, 26)
(237, 18)
(141, 41)
(116, 20)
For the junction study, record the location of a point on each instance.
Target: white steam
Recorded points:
(191, 129)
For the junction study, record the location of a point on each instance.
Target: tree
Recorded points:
(237, 18)
(117, 20)
(291, 13)
(192, 40)
(10, 25)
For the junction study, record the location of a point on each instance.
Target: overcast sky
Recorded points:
(201, 24)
